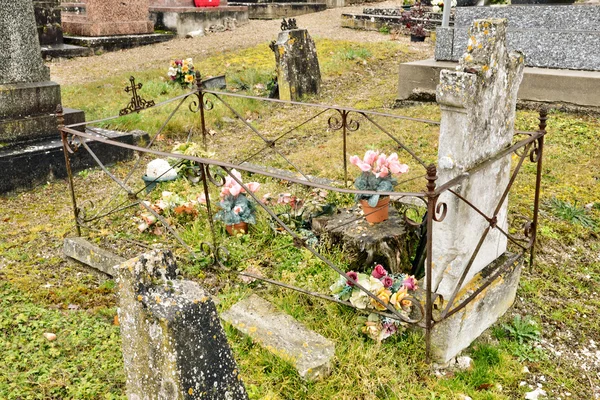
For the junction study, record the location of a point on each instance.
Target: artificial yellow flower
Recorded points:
(185, 69)
(398, 299)
(382, 294)
(189, 78)
(173, 63)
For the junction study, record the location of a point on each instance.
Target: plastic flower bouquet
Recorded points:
(438, 5)
(377, 175)
(182, 72)
(237, 211)
(393, 289)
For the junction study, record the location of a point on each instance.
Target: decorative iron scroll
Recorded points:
(289, 24)
(137, 103)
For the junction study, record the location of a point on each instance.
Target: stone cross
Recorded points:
(173, 344)
(478, 111)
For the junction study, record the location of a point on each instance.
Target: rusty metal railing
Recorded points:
(212, 173)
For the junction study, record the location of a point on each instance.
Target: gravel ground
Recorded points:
(325, 24)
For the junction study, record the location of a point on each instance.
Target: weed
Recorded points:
(358, 54)
(385, 29)
(522, 330)
(571, 213)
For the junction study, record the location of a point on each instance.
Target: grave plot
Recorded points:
(250, 213)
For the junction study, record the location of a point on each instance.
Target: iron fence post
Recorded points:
(431, 200)
(344, 122)
(538, 181)
(201, 105)
(60, 119)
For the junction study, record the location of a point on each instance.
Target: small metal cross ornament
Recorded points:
(289, 24)
(137, 103)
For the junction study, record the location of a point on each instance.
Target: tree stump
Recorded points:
(390, 243)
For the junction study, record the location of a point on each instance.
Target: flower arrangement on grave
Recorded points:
(438, 5)
(237, 211)
(169, 204)
(392, 289)
(415, 20)
(298, 213)
(377, 175)
(182, 72)
(189, 169)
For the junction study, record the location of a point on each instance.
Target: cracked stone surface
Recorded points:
(283, 336)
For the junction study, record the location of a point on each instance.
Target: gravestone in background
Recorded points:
(28, 99)
(478, 102)
(50, 34)
(550, 36)
(297, 65)
(110, 18)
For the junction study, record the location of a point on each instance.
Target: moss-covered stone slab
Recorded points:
(283, 336)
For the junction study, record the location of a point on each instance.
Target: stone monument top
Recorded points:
(21, 59)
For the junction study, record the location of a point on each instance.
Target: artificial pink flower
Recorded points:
(397, 168)
(354, 160)
(381, 160)
(383, 172)
(352, 275)
(234, 190)
(365, 167)
(378, 272)
(202, 198)
(410, 283)
(387, 281)
(253, 186)
(370, 156)
(237, 209)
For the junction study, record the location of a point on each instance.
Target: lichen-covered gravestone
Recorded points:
(478, 103)
(28, 99)
(298, 71)
(173, 344)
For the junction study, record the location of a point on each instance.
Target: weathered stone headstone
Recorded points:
(25, 86)
(173, 344)
(283, 336)
(297, 65)
(48, 20)
(478, 104)
(110, 17)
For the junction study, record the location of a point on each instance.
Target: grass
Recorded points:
(37, 285)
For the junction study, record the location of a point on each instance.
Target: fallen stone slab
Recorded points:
(92, 255)
(283, 336)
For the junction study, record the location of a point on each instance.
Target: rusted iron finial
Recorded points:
(543, 118)
(431, 178)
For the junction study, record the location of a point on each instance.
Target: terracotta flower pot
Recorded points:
(234, 229)
(379, 213)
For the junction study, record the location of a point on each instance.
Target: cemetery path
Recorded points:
(326, 24)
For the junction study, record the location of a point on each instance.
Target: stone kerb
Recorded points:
(550, 36)
(478, 110)
(173, 344)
